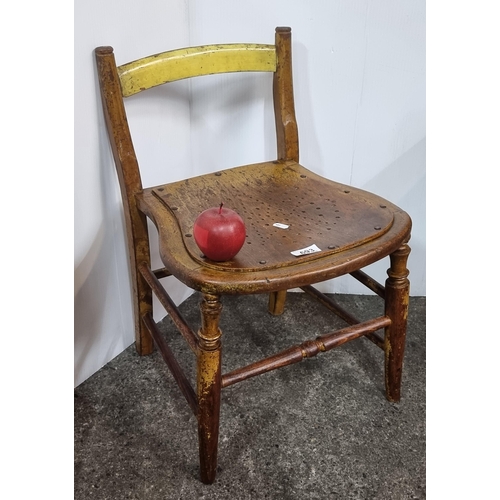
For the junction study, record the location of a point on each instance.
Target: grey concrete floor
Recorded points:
(320, 429)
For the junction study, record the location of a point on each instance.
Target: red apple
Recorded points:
(219, 232)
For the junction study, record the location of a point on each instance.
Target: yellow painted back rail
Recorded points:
(194, 61)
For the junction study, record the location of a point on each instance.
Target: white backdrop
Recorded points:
(359, 79)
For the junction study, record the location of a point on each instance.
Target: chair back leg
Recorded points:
(277, 302)
(143, 305)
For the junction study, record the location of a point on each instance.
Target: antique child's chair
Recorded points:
(324, 230)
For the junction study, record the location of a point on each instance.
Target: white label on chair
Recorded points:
(305, 251)
(280, 225)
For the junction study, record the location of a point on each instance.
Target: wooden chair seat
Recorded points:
(345, 223)
(286, 209)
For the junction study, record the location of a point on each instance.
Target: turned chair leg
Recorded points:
(209, 385)
(277, 302)
(397, 293)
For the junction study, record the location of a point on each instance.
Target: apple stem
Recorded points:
(220, 208)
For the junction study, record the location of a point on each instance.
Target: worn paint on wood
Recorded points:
(195, 61)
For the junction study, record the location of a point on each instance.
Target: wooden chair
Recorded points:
(352, 228)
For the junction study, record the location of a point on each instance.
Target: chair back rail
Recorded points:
(204, 60)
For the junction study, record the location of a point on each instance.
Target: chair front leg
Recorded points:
(397, 293)
(209, 385)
